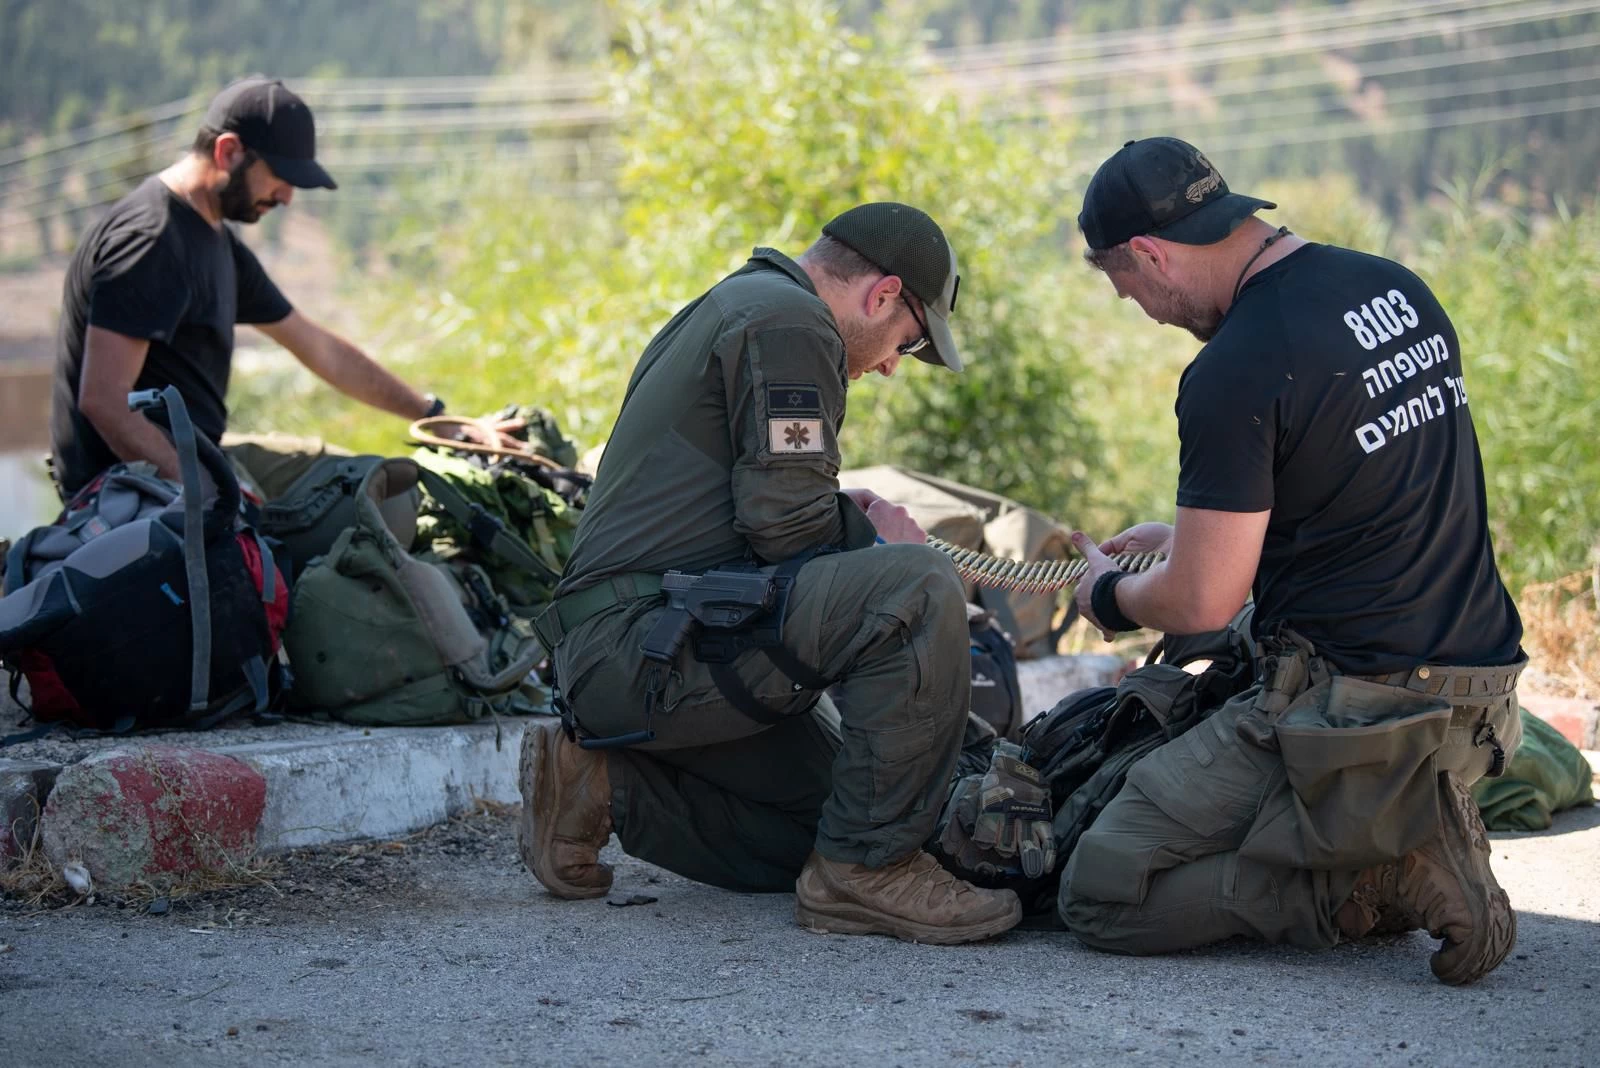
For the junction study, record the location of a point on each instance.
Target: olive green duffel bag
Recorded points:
(378, 637)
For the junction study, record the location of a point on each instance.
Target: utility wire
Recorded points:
(1057, 73)
(1016, 53)
(43, 180)
(1313, 78)
(966, 57)
(514, 121)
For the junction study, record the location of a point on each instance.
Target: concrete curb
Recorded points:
(347, 784)
(24, 785)
(381, 782)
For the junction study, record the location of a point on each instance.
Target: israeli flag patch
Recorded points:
(794, 435)
(794, 398)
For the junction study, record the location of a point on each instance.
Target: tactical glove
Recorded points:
(1001, 823)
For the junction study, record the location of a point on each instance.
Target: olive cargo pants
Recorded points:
(1175, 861)
(726, 800)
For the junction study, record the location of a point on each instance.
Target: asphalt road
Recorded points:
(442, 951)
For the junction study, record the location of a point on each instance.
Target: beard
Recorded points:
(235, 201)
(865, 344)
(1183, 310)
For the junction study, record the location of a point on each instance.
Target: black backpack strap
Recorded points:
(194, 547)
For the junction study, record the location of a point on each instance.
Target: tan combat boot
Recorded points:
(913, 899)
(566, 812)
(1445, 886)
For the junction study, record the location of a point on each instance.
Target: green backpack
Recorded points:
(381, 638)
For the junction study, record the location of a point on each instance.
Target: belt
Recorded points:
(1455, 683)
(569, 611)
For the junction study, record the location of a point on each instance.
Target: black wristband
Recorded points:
(1103, 602)
(435, 406)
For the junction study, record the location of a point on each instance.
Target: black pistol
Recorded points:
(719, 600)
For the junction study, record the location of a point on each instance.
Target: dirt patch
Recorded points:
(324, 883)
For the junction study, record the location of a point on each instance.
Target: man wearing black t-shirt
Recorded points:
(1328, 466)
(156, 286)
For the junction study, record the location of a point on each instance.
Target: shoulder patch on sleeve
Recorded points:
(793, 398)
(794, 435)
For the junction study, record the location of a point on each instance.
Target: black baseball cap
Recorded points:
(900, 240)
(1162, 187)
(273, 123)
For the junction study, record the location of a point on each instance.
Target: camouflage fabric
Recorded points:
(529, 512)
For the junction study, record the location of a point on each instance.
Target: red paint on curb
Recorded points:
(202, 808)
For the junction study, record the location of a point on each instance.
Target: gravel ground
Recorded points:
(439, 949)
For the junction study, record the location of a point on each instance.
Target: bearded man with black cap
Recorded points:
(158, 283)
(728, 763)
(1327, 465)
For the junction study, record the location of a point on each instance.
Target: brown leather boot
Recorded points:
(1445, 886)
(914, 899)
(566, 812)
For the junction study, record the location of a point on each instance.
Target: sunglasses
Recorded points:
(910, 348)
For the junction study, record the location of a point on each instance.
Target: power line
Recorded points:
(1409, 95)
(1067, 73)
(1303, 134)
(1016, 53)
(1253, 84)
(600, 114)
(436, 88)
(377, 123)
(528, 156)
(109, 128)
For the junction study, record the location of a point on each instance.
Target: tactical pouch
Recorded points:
(321, 504)
(1360, 759)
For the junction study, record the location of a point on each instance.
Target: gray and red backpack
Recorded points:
(146, 604)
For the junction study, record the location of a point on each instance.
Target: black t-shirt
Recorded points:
(153, 268)
(1332, 395)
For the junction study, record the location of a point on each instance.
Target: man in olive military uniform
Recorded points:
(726, 452)
(1327, 464)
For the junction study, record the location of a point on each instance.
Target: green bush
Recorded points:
(1524, 296)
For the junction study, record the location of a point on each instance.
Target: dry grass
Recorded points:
(37, 884)
(1561, 623)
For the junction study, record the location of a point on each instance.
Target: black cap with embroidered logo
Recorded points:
(273, 123)
(1162, 187)
(903, 241)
